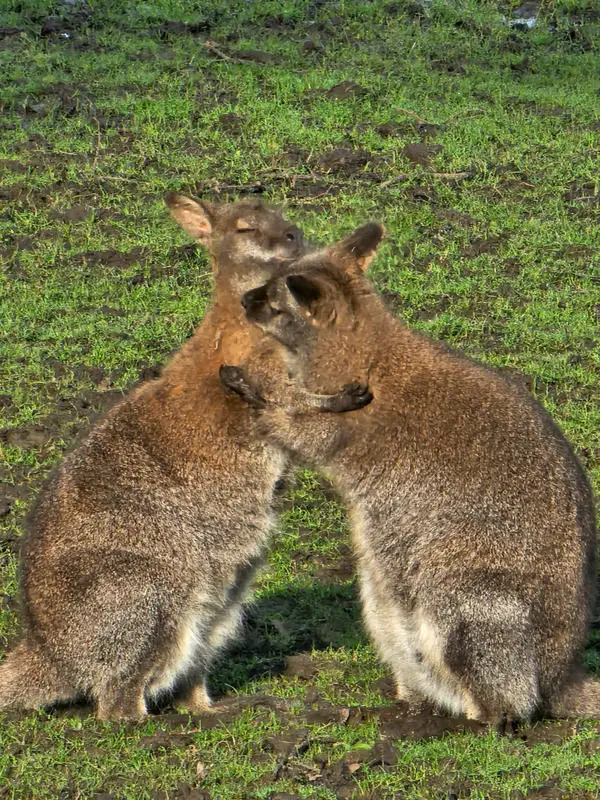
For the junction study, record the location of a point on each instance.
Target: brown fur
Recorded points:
(143, 544)
(472, 519)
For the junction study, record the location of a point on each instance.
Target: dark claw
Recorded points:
(352, 397)
(234, 380)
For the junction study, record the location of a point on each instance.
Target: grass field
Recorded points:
(476, 143)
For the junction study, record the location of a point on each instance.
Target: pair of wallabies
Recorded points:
(472, 520)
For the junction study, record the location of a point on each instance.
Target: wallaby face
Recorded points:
(143, 545)
(242, 237)
(472, 520)
(316, 300)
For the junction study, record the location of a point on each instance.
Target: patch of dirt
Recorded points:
(383, 754)
(482, 246)
(579, 195)
(151, 372)
(450, 66)
(300, 666)
(231, 123)
(511, 267)
(325, 714)
(397, 722)
(27, 437)
(163, 742)
(182, 792)
(428, 312)
(80, 213)
(312, 46)
(256, 56)
(8, 31)
(386, 687)
(549, 732)
(284, 796)
(301, 188)
(290, 744)
(392, 130)
(110, 258)
(420, 194)
(455, 217)
(293, 156)
(72, 416)
(345, 90)
(344, 160)
(175, 28)
(340, 568)
(82, 372)
(421, 154)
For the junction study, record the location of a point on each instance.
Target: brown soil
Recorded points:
(345, 90)
(343, 160)
(421, 154)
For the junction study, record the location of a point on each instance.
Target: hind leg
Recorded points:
(113, 631)
(123, 699)
(390, 633)
(490, 650)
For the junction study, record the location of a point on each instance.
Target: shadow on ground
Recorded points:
(287, 622)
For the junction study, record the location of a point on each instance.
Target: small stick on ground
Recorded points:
(212, 47)
(398, 179)
(451, 176)
(97, 151)
(441, 176)
(412, 114)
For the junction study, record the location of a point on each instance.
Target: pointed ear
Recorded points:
(311, 297)
(304, 291)
(195, 217)
(358, 249)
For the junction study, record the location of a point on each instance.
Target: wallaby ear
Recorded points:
(304, 291)
(195, 217)
(310, 296)
(358, 249)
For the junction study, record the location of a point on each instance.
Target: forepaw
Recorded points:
(351, 397)
(234, 380)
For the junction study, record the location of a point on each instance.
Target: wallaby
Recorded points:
(143, 543)
(472, 519)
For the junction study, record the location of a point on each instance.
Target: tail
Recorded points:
(28, 682)
(579, 697)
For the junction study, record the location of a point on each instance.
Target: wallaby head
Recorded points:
(317, 293)
(245, 239)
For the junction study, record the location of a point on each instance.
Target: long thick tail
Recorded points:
(28, 682)
(580, 697)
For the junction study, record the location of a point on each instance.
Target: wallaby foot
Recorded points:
(196, 700)
(120, 700)
(413, 700)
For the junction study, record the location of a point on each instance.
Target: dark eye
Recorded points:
(290, 237)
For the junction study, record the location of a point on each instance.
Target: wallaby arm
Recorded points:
(291, 398)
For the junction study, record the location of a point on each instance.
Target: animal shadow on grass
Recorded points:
(284, 623)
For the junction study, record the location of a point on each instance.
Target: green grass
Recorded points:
(504, 264)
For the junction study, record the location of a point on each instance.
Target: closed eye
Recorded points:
(245, 230)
